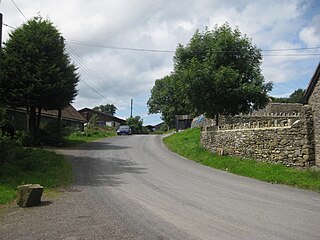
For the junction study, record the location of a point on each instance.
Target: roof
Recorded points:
(313, 82)
(111, 117)
(68, 113)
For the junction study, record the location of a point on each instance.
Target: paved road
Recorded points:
(131, 187)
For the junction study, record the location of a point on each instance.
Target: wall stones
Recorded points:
(291, 144)
(314, 101)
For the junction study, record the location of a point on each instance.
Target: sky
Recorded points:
(113, 42)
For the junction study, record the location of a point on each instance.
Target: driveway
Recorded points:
(131, 187)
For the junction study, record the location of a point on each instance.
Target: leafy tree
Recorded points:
(220, 72)
(93, 121)
(295, 97)
(37, 73)
(108, 109)
(135, 123)
(167, 98)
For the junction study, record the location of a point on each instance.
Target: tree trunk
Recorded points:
(32, 123)
(60, 126)
(217, 119)
(27, 118)
(38, 118)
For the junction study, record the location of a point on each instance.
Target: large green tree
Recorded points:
(108, 109)
(37, 73)
(135, 123)
(295, 97)
(220, 72)
(168, 98)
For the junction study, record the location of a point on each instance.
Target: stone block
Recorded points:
(29, 195)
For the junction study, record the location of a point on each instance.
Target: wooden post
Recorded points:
(0, 35)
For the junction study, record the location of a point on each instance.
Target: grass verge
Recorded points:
(26, 165)
(187, 144)
(79, 138)
(33, 166)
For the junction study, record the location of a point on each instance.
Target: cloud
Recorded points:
(162, 24)
(310, 35)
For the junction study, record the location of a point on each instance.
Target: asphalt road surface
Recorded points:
(132, 187)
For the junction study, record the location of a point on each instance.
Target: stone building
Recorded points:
(312, 98)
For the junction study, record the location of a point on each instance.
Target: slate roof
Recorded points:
(102, 116)
(69, 113)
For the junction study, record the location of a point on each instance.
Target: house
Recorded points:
(150, 128)
(103, 118)
(312, 98)
(159, 126)
(70, 116)
(183, 121)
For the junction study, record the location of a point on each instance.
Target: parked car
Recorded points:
(124, 130)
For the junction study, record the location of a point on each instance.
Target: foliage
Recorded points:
(295, 97)
(93, 121)
(3, 116)
(217, 72)
(37, 73)
(23, 138)
(187, 144)
(7, 145)
(168, 98)
(135, 123)
(109, 109)
(220, 70)
(32, 166)
(89, 135)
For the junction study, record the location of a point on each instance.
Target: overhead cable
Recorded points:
(19, 9)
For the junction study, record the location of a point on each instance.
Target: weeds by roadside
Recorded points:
(187, 144)
(21, 165)
(88, 135)
(27, 165)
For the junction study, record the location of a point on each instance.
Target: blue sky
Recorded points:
(97, 31)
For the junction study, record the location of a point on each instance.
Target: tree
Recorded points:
(135, 123)
(167, 97)
(220, 72)
(295, 97)
(37, 72)
(109, 109)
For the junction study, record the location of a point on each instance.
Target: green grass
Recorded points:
(26, 165)
(187, 144)
(87, 136)
(33, 166)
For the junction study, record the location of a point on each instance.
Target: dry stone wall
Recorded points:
(288, 141)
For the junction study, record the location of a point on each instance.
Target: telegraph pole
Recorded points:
(0, 34)
(131, 107)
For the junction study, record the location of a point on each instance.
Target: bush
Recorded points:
(7, 150)
(24, 138)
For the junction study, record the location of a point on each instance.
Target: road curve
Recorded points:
(132, 187)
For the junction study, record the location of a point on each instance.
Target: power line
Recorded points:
(19, 9)
(87, 71)
(92, 74)
(92, 88)
(4, 24)
(292, 55)
(171, 51)
(291, 49)
(119, 48)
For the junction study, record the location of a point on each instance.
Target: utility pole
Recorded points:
(131, 107)
(0, 34)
